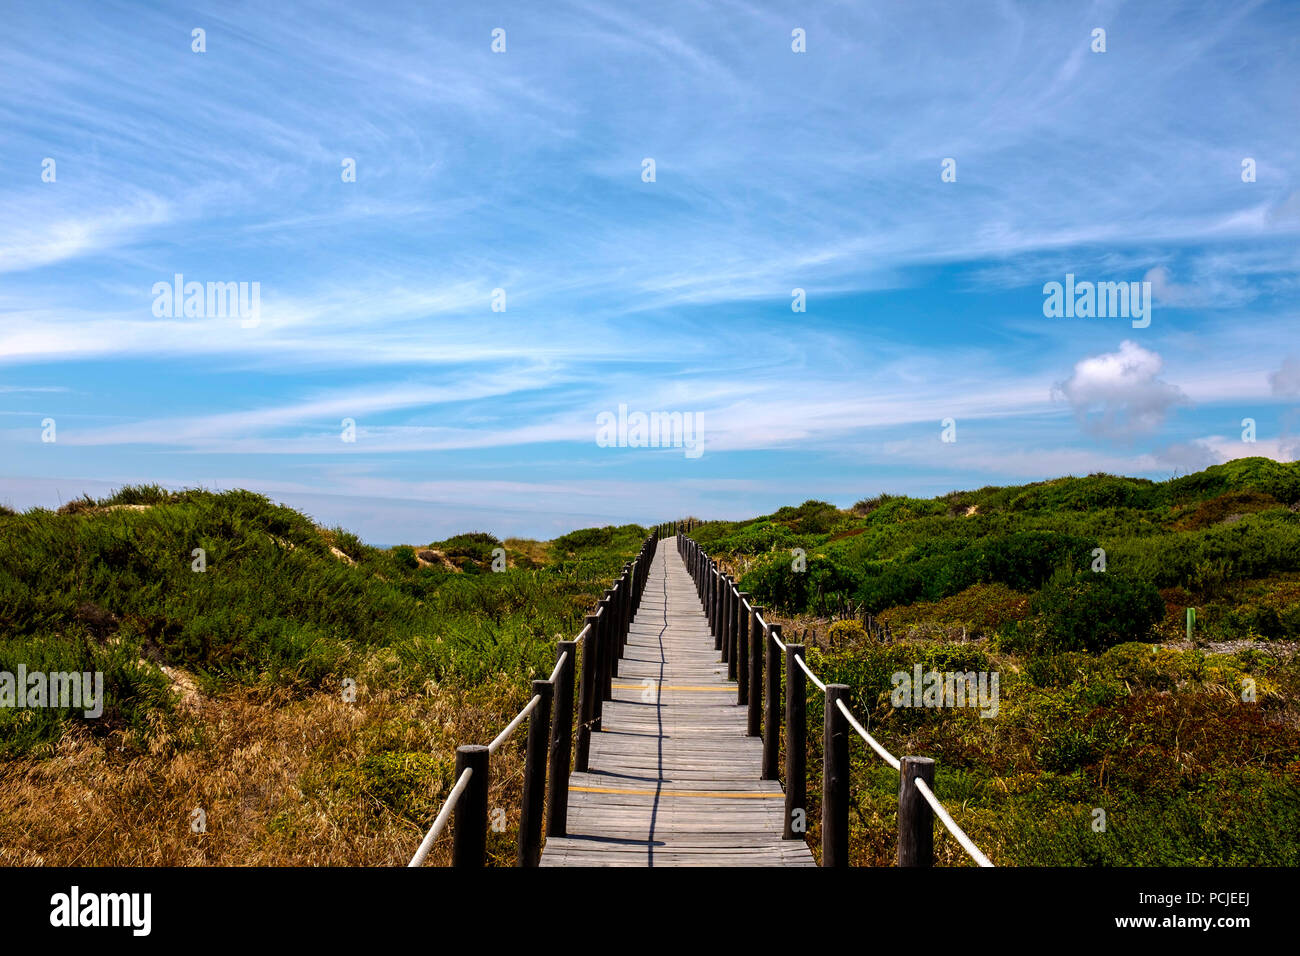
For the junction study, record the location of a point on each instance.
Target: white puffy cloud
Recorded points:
(1119, 395)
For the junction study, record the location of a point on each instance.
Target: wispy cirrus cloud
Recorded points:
(522, 172)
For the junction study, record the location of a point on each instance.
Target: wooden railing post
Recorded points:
(915, 818)
(726, 616)
(614, 611)
(729, 634)
(719, 602)
(711, 600)
(754, 683)
(713, 593)
(469, 841)
(587, 691)
(740, 655)
(772, 706)
(602, 661)
(635, 588)
(724, 622)
(533, 805)
(557, 811)
(631, 597)
(614, 598)
(710, 595)
(704, 589)
(719, 606)
(835, 780)
(740, 649)
(715, 581)
(796, 746)
(739, 622)
(729, 628)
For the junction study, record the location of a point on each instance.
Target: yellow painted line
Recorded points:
(731, 689)
(725, 794)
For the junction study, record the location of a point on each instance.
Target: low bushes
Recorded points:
(1090, 611)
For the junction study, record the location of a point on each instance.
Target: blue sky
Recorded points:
(522, 170)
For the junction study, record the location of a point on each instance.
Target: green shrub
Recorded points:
(1021, 560)
(1210, 512)
(868, 505)
(811, 517)
(1088, 494)
(350, 544)
(140, 495)
(78, 505)
(114, 590)
(823, 585)
(846, 632)
(402, 780)
(1281, 481)
(1256, 546)
(760, 537)
(983, 607)
(588, 539)
(775, 584)
(1091, 611)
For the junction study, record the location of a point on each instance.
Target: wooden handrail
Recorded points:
(747, 643)
(550, 714)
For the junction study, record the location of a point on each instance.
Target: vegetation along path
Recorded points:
(673, 780)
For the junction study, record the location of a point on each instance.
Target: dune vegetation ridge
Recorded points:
(1117, 741)
(228, 688)
(281, 693)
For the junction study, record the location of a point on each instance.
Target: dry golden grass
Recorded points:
(539, 552)
(278, 777)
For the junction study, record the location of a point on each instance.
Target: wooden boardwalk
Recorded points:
(673, 779)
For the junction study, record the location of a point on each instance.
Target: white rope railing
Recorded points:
(885, 755)
(443, 816)
(967, 844)
(811, 676)
(965, 841)
(510, 727)
(950, 823)
(558, 666)
(530, 842)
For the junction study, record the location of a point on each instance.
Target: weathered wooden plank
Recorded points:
(672, 778)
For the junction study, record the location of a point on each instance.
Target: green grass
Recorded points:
(115, 590)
